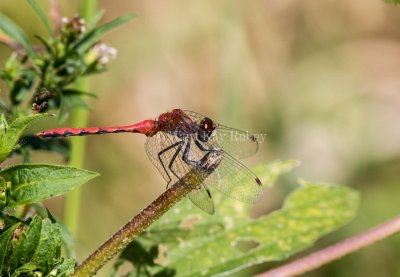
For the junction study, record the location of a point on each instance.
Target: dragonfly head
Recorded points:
(206, 130)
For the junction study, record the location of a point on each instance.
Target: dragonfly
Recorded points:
(180, 140)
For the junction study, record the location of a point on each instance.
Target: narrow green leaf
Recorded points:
(49, 248)
(9, 138)
(92, 22)
(5, 238)
(71, 91)
(35, 182)
(93, 36)
(45, 44)
(42, 15)
(26, 245)
(12, 30)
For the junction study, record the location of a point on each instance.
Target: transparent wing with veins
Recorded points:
(239, 144)
(165, 151)
(235, 180)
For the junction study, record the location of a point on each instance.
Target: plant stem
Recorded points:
(88, 9)
(331, 253)
(79, 118)
(145, 218)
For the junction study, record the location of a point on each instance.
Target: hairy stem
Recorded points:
(331, 253)
(145, 218)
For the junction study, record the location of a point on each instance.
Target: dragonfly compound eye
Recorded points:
(206, 129)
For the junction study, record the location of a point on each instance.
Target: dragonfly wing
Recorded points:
(160, 149)
(235, 180)
(201, 197)
(169, 147)
(239, 144)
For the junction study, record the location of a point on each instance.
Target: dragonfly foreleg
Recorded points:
(202, 148)
(186, 159)
(185, 156)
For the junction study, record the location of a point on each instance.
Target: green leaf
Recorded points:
(94, 35)
(309, 213)
(92, 22)
(72, 98)
(46, 44)
(35, 182)
(3, 193)
(49, 248)
(9, 220)
(9, 138)
(26, 245)
(5, 238)
(187, 224)
(12, 30)
(65, 268)
(230, 240)
(36, 249)
(32, 142)
(269, 173)
(77, 92)
(26, 269)
(42, 16)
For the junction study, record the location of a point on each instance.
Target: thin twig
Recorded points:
(146, 217)
(331, 253)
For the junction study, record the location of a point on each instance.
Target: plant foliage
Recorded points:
(40, 77)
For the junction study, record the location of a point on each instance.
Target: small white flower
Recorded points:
(105, 53)
(82, 25)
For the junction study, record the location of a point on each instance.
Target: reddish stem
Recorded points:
(331, 253)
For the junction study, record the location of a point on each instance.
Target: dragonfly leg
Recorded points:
(186, 159)
(173, 160)
(162, 164)
(202, 148)
(185, 156)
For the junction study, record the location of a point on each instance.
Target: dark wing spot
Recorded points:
(258, 181)
(253, 138)
(101, 131)
(209, 193)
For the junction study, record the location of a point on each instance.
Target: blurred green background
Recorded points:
(320, 78)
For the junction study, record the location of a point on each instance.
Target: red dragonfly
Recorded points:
(180, 140)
